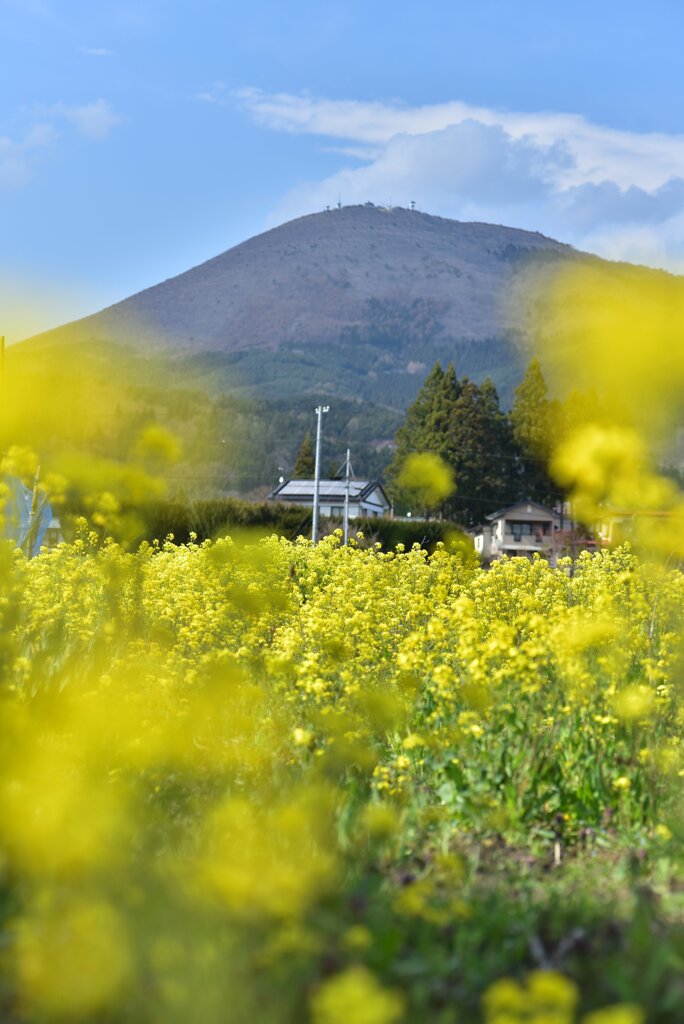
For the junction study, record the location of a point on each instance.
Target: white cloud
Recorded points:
(597, 152)
(16, 157)
(94, 121)
(616, 192)
(19, 156)
(218, 94)
(95, 51)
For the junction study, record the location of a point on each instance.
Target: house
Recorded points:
(53, 533)
(619, 525)
(526, 528)
(367, 498)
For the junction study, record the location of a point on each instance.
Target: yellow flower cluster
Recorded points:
(205, 747)
(256, 780)
(548, 997)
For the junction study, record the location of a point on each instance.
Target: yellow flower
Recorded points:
(301, 737)
(634, 703)
(73, 959)
(356, 996)
(623, 1013)
(428, 477)
(504, 996)
(622, 783)
(547, 997)
(358, 937)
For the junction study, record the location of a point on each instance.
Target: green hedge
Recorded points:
(390, 532)
(211, 518)
(215, 517)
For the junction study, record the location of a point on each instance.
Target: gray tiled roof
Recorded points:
(327, 490)
(522, 506)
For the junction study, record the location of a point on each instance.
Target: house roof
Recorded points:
(328, 490)
(521, 506)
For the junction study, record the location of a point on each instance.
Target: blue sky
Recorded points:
(138, 139)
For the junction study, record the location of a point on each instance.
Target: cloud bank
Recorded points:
(616, 193)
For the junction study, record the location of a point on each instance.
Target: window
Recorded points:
(522, 530)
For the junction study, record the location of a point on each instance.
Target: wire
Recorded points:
(474, 451)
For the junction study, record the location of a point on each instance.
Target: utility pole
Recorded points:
(2, 370)
(320, 409)
(34, 515)
(347, 474)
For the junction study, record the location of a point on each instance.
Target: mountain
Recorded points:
(351, 306)
(356, 302)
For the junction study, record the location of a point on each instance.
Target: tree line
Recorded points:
(497, 458)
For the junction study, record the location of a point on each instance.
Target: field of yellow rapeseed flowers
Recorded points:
(257, 780)
(251, 780)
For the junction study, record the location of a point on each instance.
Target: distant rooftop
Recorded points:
(326, 489)
(525, 506)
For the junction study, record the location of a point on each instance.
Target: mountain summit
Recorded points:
(358, 300)
(351, 307)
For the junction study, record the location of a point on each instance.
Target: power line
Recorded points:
(473, 451)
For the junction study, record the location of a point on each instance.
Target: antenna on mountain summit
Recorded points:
(339, 202)
(412, 204)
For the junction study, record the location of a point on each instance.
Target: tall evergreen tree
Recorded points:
(479, 445)
(305, 463)
(464, 425)
(412, 434)
(534, 419)
(531, 412)
(439, 422)
(502, 462)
